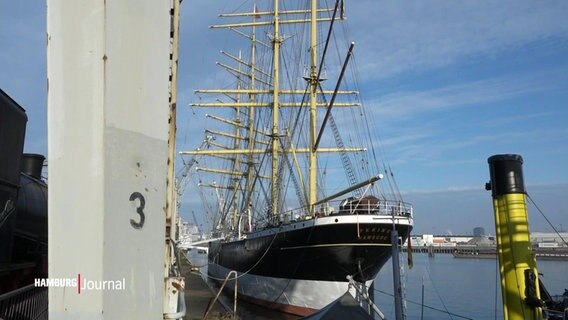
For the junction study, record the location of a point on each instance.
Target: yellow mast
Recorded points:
(236, 143)
(275, 110)
(261, 151)
(267, 104)
(251, 128)
(263, 91)
(272, 86)
(312, 188)
(517, 264)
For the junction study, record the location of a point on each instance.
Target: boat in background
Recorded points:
(289, 222)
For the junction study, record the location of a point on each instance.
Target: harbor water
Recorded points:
(453, 288)
(457, 288)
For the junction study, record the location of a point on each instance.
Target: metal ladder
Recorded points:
(232, 272)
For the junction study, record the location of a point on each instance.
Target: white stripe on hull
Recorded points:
(300, 297)
(336, 219)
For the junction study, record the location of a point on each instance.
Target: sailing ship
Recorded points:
(287, 220)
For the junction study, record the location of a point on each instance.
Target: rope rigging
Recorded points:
(545, 218)
(427, 306)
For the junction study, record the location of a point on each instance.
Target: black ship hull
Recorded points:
(303, 258)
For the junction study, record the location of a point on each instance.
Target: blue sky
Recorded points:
(449, 83)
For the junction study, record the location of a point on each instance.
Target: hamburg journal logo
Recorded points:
(81, 283)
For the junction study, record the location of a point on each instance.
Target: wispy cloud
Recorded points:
(432, 151)
(435, 209)
(394, 38)
(417, 36)
(519, 118)
(416, 124)
(407, 103)
(537, 189)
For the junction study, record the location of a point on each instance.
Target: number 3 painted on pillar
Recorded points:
(139, 210)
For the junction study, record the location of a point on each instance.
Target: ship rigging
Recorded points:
(282, 204)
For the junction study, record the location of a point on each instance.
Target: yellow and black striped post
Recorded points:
(517, 264)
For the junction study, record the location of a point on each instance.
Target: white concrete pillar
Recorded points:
(108, 88)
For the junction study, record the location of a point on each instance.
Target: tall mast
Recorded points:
(313, 82)
(273, 88)
(236, 143)
(252, 97)
(275, 110)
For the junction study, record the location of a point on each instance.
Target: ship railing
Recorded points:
(227, 278)
(557, 314)
(363, 206)
(362, 295)
(346, 207)
(560, 307)
(356, 206)
(29, 302)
